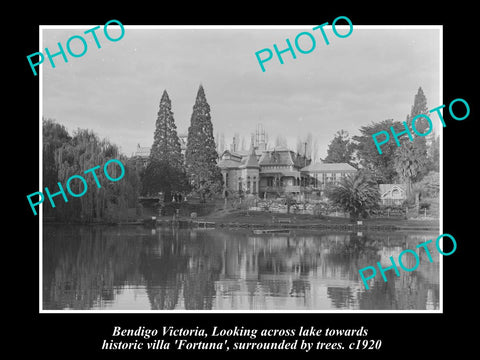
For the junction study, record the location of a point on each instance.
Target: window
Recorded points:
(248, 183)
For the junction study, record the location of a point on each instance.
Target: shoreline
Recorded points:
(263, 220)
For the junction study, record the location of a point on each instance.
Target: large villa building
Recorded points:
(271, 172)
(277, 172)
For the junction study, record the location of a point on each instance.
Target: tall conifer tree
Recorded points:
(201, 155)
(411, 156)
(166, 144)
(165, 172)
(380, 165)
(340, 149)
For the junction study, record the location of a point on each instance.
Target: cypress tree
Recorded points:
(201, 155)
(166, 144)
(165, 170)
(411, 156)
(419, 107)
(340, 149)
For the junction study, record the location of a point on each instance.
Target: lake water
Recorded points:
(138, 268)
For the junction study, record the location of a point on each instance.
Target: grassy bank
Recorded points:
(266, 219)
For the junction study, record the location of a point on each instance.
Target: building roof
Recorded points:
(250, 161)
(142, 151)
(385, 188)
(231, 154)
(258, 152)
(274, 172)
(228, 163)
(325, 167)
(277, 156)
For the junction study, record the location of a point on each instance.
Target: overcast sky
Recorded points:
(370, 76)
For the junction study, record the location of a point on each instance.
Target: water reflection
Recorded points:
(167, 269)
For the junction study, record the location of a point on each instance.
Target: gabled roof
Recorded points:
(142, 151)
(325, 167)
(231, 154)
(258, 152)
(385, 188)
(228, 163)
(277, 156)
(250, 161)
(230, 159)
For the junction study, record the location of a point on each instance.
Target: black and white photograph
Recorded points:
(275, 179)
(241, 168)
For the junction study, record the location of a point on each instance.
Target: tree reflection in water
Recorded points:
(92, 267)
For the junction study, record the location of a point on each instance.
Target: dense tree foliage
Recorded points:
(201, 155)
(113, 201)
(340, 149)
(54, 136)
(356, 194)
(430, 184)
(165, 171)
(380, 165)
(411, 157)
(433, 155)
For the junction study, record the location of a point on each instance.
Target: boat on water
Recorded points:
(270, 231)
